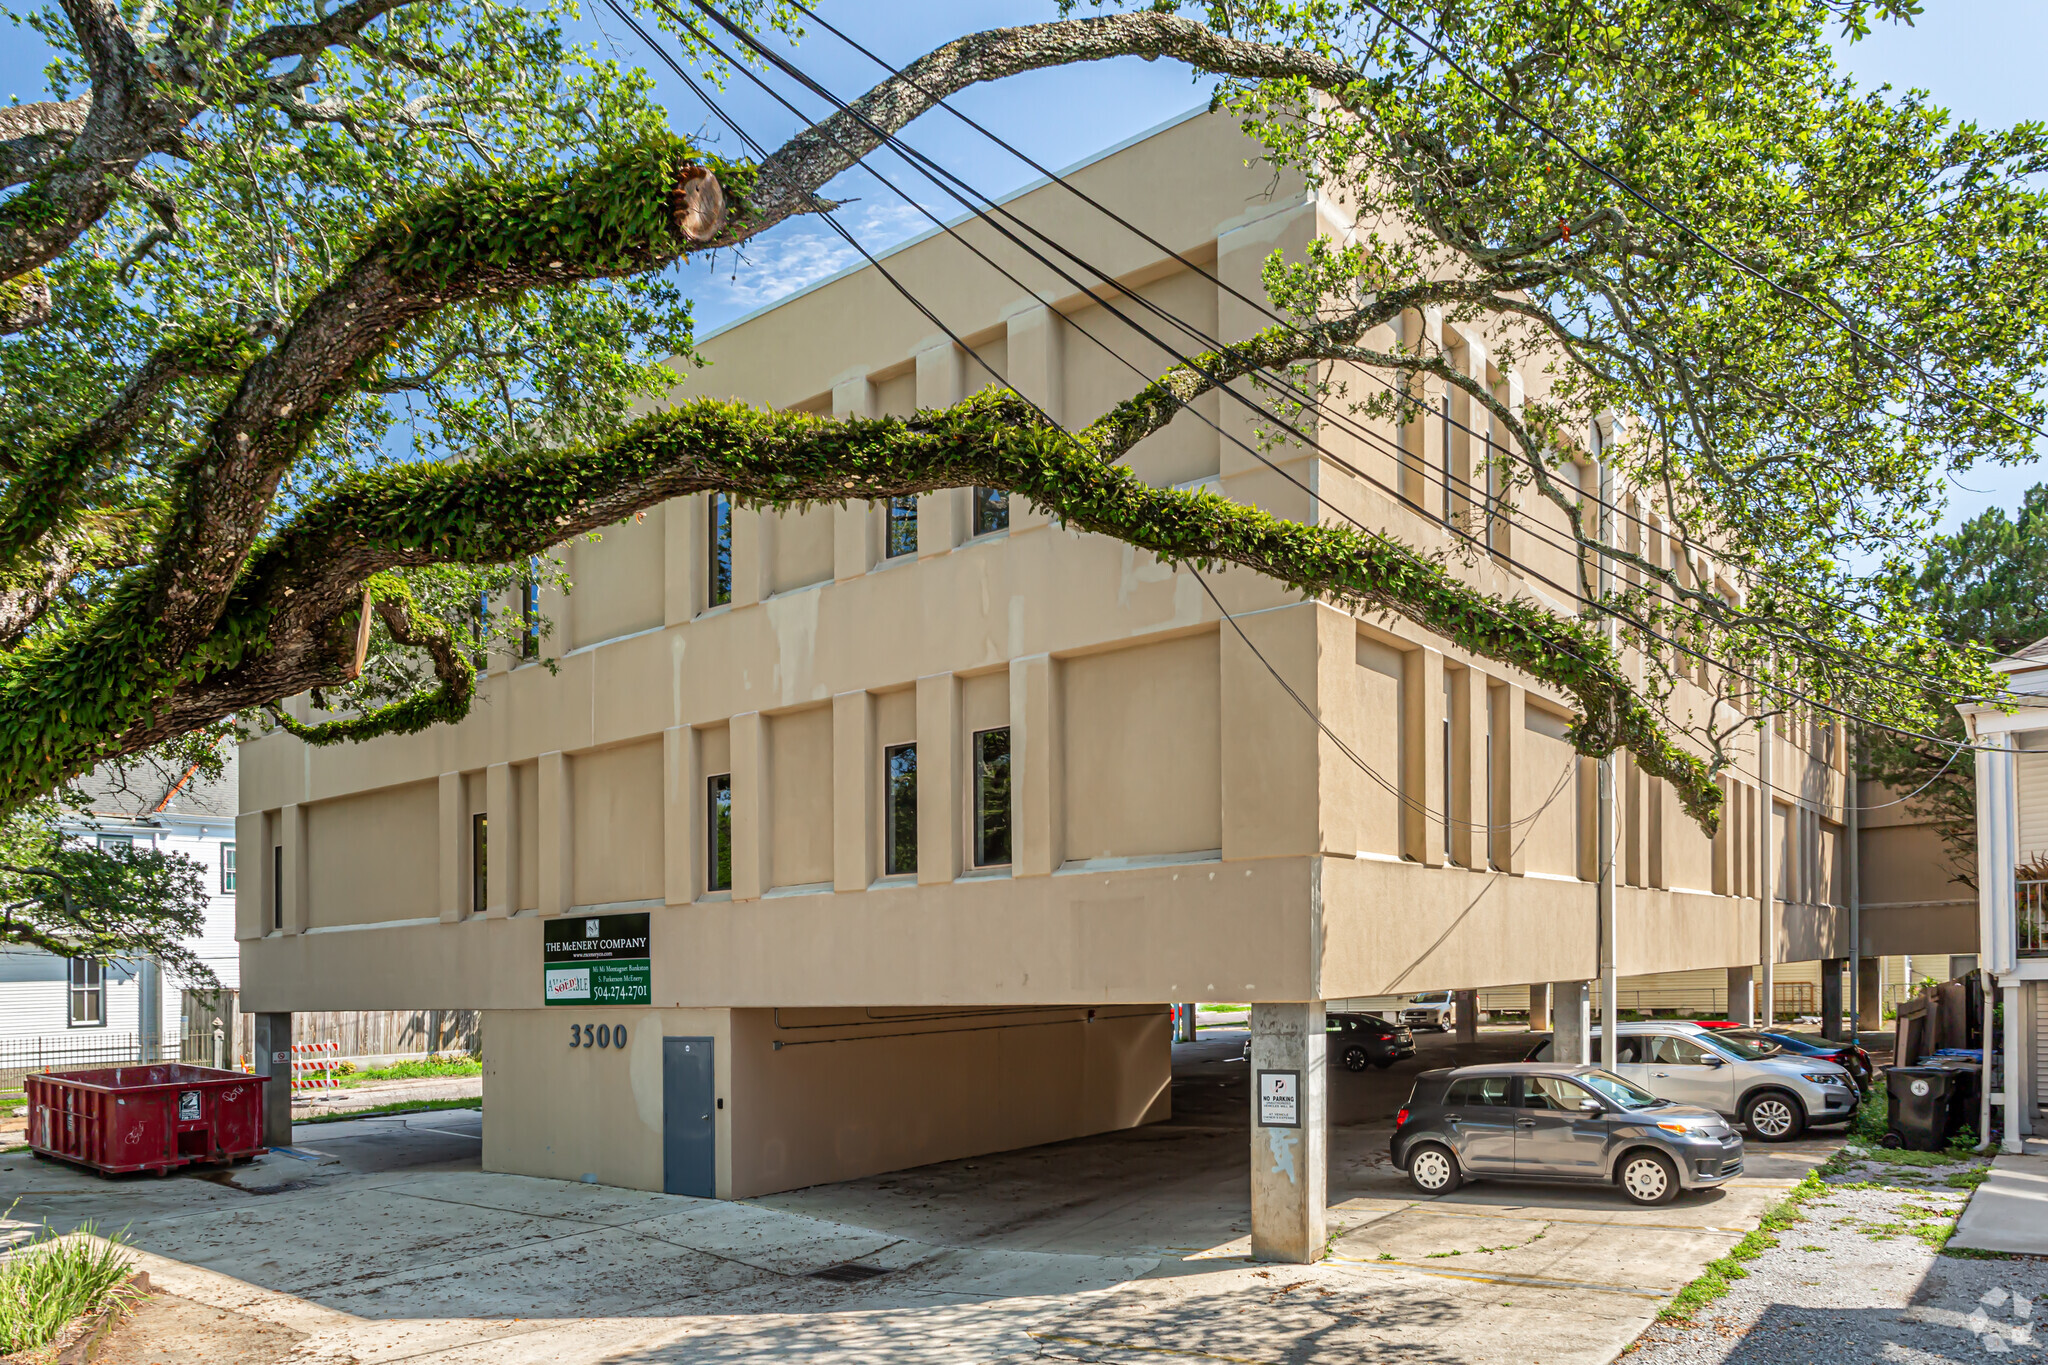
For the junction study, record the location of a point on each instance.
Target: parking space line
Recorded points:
(1527, 1281)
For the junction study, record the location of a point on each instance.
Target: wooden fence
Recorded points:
(361, 1033)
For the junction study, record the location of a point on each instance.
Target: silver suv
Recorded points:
(1528, 1121)
(1773, 1094)
(1433, 1011)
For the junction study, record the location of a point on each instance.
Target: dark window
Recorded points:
(227, 867)
(88, 993)
(479, 622)
(992, 797)
(991, 511)
(529, 613)
(718, 845)
(721, 550)
(277, 886)
(899, 772)
(117, 841)
(479, 862)
(1472, 1090)
(902, 513)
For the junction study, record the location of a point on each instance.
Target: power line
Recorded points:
(895, 143)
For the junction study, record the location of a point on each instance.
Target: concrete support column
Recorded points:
(1831, 998)
(1422, 774)
(292, 840)
(2014, 1085)
(501, 870)
(750, 820)
(1508, 704)
(452, 845)
(274, 1059)
(1571, 1007)
(941, 773)
(1465, 1007)
(1471, 803)
(1869, 994)
(1184, 1023)
(149, 1009)
(1037, 782)
(1290, 1142)
(856, 791)
(753, 555)
(556, 833)
(682, 823)
(1539, 1008)
(1742, 995)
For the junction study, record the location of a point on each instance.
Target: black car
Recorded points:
(1362, 1040)
(1848, 1056)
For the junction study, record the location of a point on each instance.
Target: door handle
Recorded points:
(705, 1117)
(1525, 1123)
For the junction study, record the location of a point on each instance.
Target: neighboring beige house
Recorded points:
(930, 810)
(2012, 878)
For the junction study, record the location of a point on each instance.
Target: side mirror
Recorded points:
(1713, 1060)
(1591, 1106)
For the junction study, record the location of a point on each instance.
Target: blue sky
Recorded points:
(1979, 57)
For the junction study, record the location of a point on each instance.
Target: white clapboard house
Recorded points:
(57, 1012)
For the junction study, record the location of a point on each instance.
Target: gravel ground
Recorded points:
(1861, 1277)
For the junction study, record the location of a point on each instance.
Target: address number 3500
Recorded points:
(599, 1035)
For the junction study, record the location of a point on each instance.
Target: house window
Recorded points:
(720, 540)
(227, 867)
(88, 993)
(718, 846)
(117, 841)
(899, 772)
(277, 886)
(902, 514)
(479, 862)
(992, 797)
(991, 511)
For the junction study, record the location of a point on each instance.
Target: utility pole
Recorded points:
(1610, 981)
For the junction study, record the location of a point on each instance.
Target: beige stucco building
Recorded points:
(1114, 803)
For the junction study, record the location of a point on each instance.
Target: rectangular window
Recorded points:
(720, 541)
(992, 797)
(718, 846)
(899, 772)
(227, 867)
(902, 539)
(277, 886)
(117, 841)
(479, 862)
(991, 511)
(529, 614)
(88, 993)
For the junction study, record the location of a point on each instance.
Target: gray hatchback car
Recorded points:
(1542, 1121)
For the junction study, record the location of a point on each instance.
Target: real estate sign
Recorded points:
(596, 960)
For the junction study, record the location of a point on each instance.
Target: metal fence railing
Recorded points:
(20, 1056)
(2032, 919)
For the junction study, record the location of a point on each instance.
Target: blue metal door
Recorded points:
(689, 1128)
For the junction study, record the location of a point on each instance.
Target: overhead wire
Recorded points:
(895, 143)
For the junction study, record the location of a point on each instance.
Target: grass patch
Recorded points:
(1968, 1180)
(1972, 1254)
(413, 1070)
(1720, 1274)
(395, 1107)
(50, 1282)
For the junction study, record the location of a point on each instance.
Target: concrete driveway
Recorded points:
(1124, 1247)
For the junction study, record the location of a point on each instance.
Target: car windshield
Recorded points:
(1740, 1050)
(1618, 1091)
(1437, 999)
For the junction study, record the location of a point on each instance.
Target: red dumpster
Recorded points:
(145, 1118)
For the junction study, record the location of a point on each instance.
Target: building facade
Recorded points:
(911, 818)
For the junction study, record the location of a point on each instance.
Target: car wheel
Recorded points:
(1355, 1059)
(1773, 1116)
(1648, 1178)
(1432, 1169)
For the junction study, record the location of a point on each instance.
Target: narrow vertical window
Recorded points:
(1449, 465)
(479, 623)
(277, 886)
(902, 538)
(720, 541)
(992, 797)
(227, 868)
(718, 841)
(88, 993)
(529, 613)
(899, 799)
(479, 862)
(991, 511)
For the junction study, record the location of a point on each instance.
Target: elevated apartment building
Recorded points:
(930, 808)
